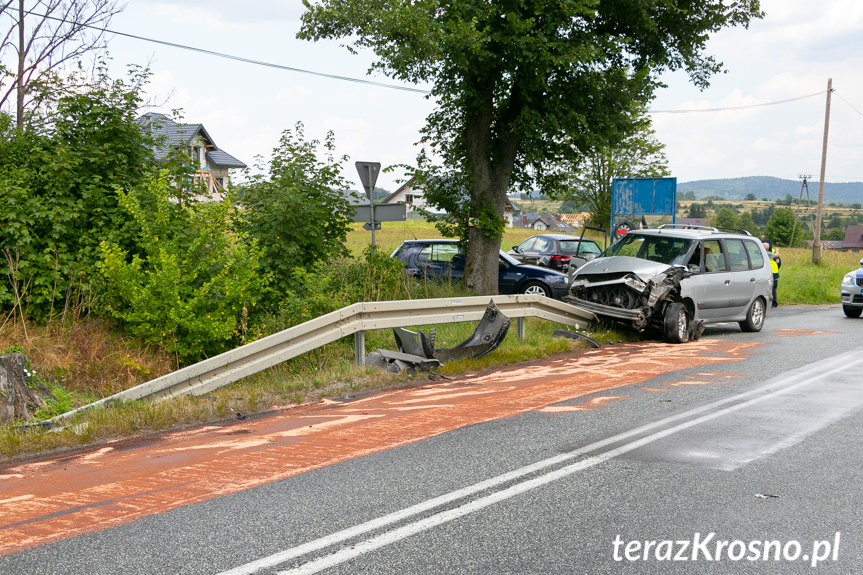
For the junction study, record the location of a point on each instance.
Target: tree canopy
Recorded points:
(588, 179)
(521, 84)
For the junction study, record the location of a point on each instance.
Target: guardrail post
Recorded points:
(360, 348)
(519, 327)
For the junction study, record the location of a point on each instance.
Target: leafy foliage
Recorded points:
(638, 154)
(192, 290)
(297, 212)
(779, 226)
(329, 286)
(57, 191)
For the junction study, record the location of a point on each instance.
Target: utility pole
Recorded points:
(816, 245)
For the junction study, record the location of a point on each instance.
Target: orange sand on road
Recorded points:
(119, 482)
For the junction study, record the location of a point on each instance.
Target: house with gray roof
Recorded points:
(213, 165)
(413, 196)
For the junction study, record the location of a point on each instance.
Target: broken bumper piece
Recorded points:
(417, 350)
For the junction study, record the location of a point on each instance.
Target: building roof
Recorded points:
(171, 135)
(508, 205)
(853, 237)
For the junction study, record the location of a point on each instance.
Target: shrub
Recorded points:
(191, 289)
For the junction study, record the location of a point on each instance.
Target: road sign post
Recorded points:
(369, 176)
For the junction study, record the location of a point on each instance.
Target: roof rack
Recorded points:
(687, 227)
(704, 228)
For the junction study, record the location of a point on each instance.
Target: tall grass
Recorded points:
(803, 282)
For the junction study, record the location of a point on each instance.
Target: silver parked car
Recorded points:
(677, 279)
(852, 292)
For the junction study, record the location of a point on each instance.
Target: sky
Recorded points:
(789, 55)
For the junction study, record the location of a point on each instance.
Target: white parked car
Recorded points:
(852, 292)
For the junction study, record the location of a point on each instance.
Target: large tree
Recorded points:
(40, 37)
(521, 84)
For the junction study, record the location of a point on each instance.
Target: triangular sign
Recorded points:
(368, 175)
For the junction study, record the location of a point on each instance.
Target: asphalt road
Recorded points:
(747, 464)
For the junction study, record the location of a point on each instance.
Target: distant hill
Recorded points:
(772, 188)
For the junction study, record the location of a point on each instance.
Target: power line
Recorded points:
(393, 86)
(246, 60)
(726, 109)
(850, 105)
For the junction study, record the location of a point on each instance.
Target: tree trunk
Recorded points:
(17, 400)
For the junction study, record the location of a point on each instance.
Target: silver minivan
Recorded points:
(678, 278)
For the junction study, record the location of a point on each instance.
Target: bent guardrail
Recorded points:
(355, 320)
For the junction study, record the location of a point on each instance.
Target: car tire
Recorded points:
(535, 288)
(754, 317)
(852, 311)
(676, 323)
(622, 228)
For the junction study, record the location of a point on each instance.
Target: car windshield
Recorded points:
(579, 247)
(663, 249)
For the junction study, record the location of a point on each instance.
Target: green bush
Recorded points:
(194, 287)
(57, 199)
(329, 286)
(297, 212)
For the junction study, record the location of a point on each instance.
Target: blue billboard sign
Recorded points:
(636, 197)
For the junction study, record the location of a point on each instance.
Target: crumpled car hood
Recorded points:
(644, 269)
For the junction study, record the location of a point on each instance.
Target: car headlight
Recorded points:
(848, 280)
(635, 284)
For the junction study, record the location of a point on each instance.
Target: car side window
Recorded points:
(756, 258)
(438, 253)
(714, 259)
(541, 245)
(737, 255)
(527, 245)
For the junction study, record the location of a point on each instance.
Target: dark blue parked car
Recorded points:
(444, 259)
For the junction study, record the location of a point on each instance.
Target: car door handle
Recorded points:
(728, 282)
(752, 280)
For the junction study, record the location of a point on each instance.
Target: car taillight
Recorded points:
(560, 258)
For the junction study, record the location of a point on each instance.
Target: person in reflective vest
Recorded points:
(775, 264)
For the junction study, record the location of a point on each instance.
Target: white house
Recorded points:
(414, 198)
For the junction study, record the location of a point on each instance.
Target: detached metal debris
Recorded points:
(417, 349)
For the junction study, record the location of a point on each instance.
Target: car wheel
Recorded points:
(623, 228)
(754, 317)
(535, 288)
(676, 323)
(852, 311)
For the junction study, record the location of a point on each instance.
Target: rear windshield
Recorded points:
(671, 251)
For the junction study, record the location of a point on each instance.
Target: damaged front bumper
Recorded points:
(657, 292)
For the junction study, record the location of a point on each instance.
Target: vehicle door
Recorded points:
(521, 250)
(742, 279)
(444, 261)
(510, 275)
(709, 288)
(538, 249)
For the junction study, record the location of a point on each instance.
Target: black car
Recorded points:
(556, 251)
(444, 259)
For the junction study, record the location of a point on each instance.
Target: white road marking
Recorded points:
(789, 381)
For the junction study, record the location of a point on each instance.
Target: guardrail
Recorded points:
(355, 320)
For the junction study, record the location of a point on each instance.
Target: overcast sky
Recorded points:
(245, 107)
